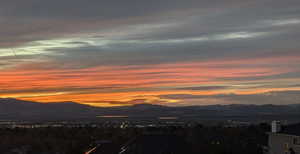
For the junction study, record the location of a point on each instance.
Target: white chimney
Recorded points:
(276, 126)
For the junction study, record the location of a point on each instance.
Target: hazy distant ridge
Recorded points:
(25, 110)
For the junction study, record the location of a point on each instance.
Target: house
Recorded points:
(284, 140)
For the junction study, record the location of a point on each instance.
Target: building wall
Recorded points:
(280, 143)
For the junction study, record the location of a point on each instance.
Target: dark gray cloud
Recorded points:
(275, 97)
(42, 19)
(203, 88)
(289, 75)
(131, 102)
(102, 8)
(155, 31)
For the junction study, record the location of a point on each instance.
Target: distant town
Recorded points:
(166, 136)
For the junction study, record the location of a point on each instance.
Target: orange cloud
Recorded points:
(100, 85)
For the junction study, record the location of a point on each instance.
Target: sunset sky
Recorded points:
(168, 52)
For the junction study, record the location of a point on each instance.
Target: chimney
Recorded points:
(276, 126)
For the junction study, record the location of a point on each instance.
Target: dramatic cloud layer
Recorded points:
(169, 52)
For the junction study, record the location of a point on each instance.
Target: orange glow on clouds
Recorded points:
(125, 85)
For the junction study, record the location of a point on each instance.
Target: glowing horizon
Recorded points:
(180, 53)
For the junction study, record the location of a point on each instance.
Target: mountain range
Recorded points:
(14, 109)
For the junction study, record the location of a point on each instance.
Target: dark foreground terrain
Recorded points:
(13, 109)
(148, 140)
